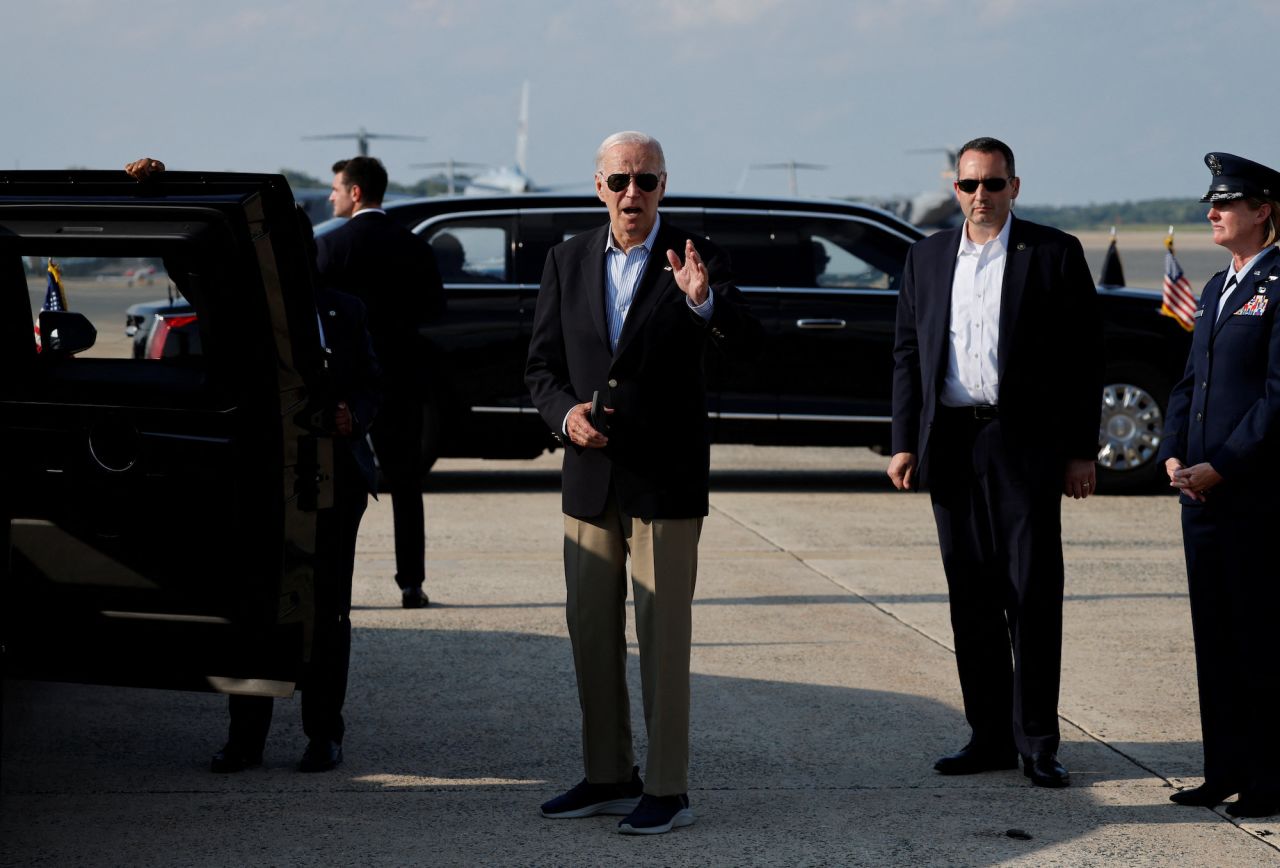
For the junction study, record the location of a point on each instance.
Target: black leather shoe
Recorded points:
(970, 760)
(1044, 770)
(1254, 806)
(414, 598)
(1203, 796)
(233, 758)
(321, 756)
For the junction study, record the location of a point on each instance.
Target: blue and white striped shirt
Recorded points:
(622, 273)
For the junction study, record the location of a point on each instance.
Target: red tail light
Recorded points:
(160, 332)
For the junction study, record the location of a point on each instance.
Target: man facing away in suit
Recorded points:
(621, 314)
(394, 273)
(996, 384)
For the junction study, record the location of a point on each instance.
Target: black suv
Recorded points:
(822, 276)
(157, 514)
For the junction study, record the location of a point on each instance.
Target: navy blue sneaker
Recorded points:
(588, 799)
(657, 814)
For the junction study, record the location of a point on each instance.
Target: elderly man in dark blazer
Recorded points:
(394, 273)
(625, 312)
(997, 377)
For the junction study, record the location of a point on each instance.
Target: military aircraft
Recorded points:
(933, 208)
(362, 137)
(514, 178)
(789, 165)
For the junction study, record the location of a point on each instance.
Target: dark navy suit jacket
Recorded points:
(351, 374)
(1049, 357)
(658, 455)
(1226, 408)
(394, 273)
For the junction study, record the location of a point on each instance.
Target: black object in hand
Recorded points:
(599, 419)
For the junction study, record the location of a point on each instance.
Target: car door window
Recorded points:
(474, 250)
(845, 254)
(136, 307)
(757, 257)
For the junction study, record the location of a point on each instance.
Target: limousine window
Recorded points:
(848, 254)
(473, 251)
(748, 239)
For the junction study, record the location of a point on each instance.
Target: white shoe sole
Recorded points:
(617, 808)
(683, 817)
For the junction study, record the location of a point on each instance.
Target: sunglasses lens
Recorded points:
(970, 185)
(648, 182)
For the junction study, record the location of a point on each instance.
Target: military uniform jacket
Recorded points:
(658, 455)
(1226, 408)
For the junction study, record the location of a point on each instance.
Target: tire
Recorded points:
(1134, 398)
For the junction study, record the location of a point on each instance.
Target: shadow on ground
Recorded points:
(455, 737)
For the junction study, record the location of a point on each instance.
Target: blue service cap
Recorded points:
(1235, 178)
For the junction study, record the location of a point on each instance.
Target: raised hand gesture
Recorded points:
(692, 277)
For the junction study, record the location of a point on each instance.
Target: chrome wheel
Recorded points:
(1131, 427)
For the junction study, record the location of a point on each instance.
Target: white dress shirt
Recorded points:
(972, 363)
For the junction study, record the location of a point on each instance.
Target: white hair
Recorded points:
(631, 137)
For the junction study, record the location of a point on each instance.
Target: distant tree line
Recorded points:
(1148, 212)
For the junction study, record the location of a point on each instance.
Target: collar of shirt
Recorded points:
(610, 245)
(997, 245)
(1240, 275)
(367, 211)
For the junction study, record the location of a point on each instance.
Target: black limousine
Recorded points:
(821, 275)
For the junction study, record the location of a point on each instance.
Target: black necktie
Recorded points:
(1222, 299)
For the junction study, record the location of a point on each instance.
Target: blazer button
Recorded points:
(613, 384)
(1199, 417)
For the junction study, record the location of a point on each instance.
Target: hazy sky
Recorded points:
(1101, 100)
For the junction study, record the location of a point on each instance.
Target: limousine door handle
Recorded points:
(820, 323)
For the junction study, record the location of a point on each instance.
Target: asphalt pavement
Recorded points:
(824, 687)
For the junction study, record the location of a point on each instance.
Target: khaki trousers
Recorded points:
(664, 567)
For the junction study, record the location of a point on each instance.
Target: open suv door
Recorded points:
(157, 516)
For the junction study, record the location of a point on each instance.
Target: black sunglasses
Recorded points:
(993, 185)
(646, 181)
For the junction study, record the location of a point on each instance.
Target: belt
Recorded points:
(976, 412)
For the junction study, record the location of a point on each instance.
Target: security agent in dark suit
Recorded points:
(1220, 452)
(352, 395)
(997, 373)
(394, 273)
(626, 312)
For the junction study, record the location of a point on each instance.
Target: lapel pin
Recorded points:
(666, 268)
(1021, 246)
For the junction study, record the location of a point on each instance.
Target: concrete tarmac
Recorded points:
(824, 687)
